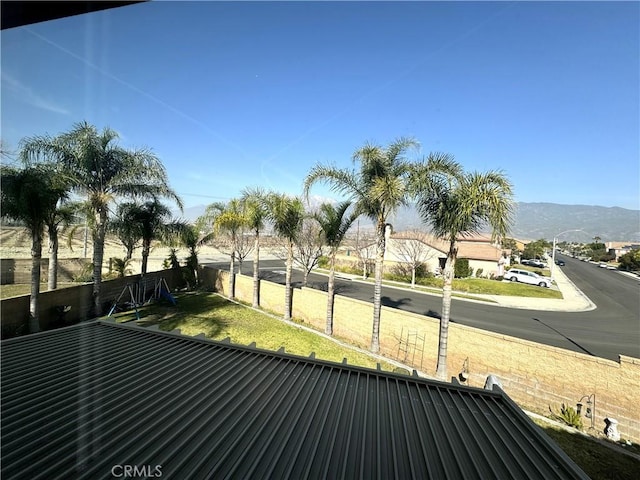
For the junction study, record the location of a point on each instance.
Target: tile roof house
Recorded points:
(478, 249)
(102, 400)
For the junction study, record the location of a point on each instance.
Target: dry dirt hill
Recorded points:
(15, 242)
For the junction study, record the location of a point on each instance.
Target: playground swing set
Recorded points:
(137, 295)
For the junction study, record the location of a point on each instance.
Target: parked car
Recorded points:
(525, 262)
(560, 263)
(537, 263)
(524, 276)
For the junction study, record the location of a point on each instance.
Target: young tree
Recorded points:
(31, 195)
(415, 251)
(253, 200)
(286, 214)
(101, 171)
(458, 208)
(334, 224)
(307, 249)
(365, 249)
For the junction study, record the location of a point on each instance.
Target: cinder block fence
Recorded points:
(536, 376)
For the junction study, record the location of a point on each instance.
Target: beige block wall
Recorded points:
(536, 376)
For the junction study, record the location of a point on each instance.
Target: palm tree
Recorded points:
(231, 220)
(100, 170)
(286, 214)
(334, 224)
(123, 226)
(256, 214)
(31, 195)
(459, 208)
(57, 222)
(189, 236)
(154, 222)
(377, 189)
(121, 266)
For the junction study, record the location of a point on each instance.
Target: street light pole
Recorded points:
(553, 252)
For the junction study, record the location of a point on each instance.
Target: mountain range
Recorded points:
(532, 221)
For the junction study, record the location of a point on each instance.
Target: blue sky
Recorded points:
(235, 95)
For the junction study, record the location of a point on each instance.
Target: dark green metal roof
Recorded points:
(80, 401)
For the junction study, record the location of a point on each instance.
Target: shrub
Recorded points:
(85, 275)
(121, 267)
(479, 272)
(461, 268)
(568, 416)
(404, 270)
(323, 262)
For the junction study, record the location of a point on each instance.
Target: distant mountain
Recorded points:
(546, 220)
(533, 221)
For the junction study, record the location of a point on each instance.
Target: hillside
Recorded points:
(546, 220)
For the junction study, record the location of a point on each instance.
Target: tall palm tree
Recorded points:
(231, 221)
(459, 208)
(334, 224)
(101, 171)
(31, 196)
(377, 189)
(256, 215)
(286, 214)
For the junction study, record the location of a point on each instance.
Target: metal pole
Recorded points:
(553, 257)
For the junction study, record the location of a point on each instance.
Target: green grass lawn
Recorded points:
(218, 318)
(482, 286)
(597, 461)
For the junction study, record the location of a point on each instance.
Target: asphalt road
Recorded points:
(611, 329)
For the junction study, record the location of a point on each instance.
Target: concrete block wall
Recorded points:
(14, 312)
(536, 376)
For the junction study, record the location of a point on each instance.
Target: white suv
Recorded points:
(524, 276)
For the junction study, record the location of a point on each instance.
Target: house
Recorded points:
(103, 400)
(620, 248)
(482, 253)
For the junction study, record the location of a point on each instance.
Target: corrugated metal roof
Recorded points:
(82, 401)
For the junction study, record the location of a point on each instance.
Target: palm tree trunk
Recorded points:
(287, 292)
(377, 290)
(441, 369)
(256, 271)
(98, 257)
(232, 276)
(330, 295)
(36, 258)
(146, 250)
(53, 259)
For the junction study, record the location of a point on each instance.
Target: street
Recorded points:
(611, 329)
